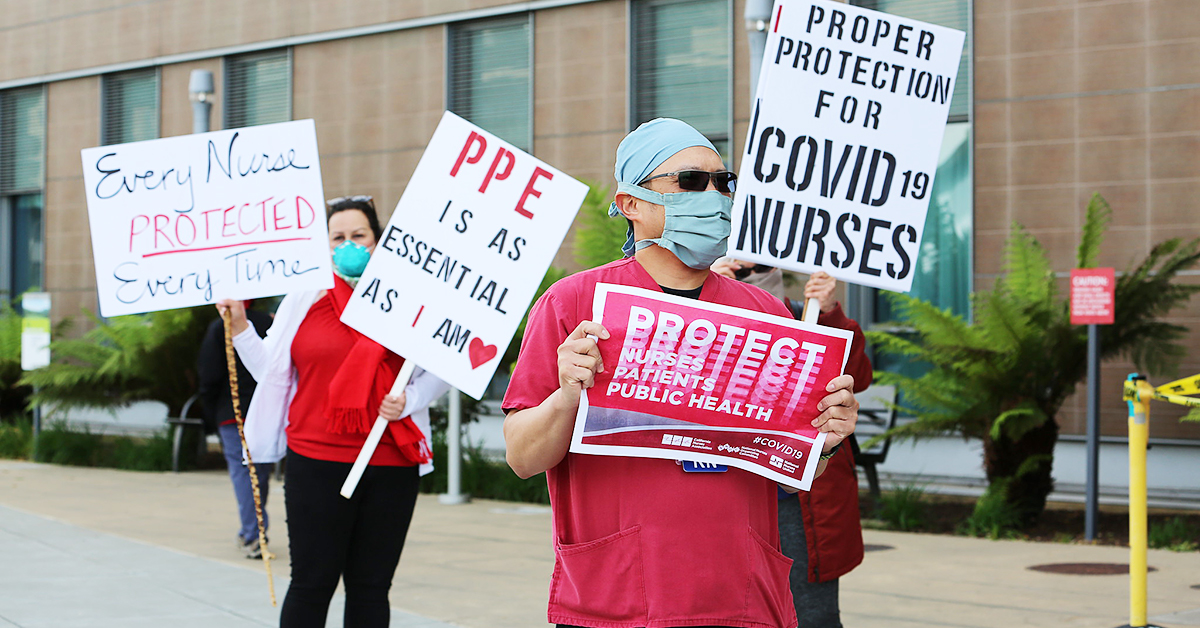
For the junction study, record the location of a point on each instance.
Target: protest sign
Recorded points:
(1093, 292)
(463, 254)
(844, 137)
(708, 383)
(188, 220)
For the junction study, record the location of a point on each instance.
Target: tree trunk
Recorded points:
(1027, 491)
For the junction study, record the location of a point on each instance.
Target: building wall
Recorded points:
(1075, 97)
(49, 37)
(1071, 97)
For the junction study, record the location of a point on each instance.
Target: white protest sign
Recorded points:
(184, 221)
(463, 254)
(843, 142)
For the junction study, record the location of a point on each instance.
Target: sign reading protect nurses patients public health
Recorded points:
(463, 254)
(703, 382)
(844, 140)
(185, 221)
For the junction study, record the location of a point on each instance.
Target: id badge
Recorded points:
(703, 467)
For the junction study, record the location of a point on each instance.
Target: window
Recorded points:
(949, 13)
(22, 170)
(943, 272)
(129, 110)
(682, 65)
(490, 78)
(258, 88)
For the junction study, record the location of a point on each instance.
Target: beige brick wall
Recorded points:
(1075, 97)
(41, 37)
(579, 82)
(73, 123)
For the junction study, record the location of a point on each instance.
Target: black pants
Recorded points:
(357, 540)
(816, 602)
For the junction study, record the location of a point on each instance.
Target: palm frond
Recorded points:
(1099, 214)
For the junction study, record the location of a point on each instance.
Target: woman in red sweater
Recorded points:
(328, 383)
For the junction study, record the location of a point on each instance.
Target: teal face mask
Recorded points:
(350, 258)
(696, 225)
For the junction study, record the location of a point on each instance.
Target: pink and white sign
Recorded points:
(708, 383)
(1093, 293)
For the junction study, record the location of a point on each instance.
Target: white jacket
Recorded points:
(269, 360)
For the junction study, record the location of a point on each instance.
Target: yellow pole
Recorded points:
(1138, 394)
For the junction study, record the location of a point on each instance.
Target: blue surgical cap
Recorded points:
(646, 148)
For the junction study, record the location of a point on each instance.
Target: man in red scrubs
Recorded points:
(640, 543)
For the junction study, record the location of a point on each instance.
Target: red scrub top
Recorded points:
(639, 542)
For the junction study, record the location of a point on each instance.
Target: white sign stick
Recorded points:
(812, 310)
(368, 450)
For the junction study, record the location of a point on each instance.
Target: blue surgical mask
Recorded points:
(696, 224)
(350, 259)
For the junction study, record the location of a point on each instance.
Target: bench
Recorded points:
(179, 425)
(876, 415)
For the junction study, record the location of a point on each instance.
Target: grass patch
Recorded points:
(483, 477)
(16, 438)
(59, 444)
(1176, 534)
(903, 508)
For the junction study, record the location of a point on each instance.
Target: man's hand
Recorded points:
(579, 359)
(839, 411)
(237, 311)
(391, 406)
(820, 286)
(727, 265)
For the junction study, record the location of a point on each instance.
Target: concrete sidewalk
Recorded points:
(92, 547)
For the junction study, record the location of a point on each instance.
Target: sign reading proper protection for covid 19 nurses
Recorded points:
(701, 382)
(184, 221)
(844, 141)
(463, 254)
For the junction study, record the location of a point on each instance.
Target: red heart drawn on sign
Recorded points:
(480, 353)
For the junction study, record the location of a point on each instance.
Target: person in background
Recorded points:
(820, 530)
(218, 417)
(321, 386)
(639, 541)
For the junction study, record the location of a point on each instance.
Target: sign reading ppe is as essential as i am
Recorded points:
(844, 140)
(184, 221)
(463, 254)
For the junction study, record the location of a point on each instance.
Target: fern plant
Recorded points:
(1003, 377)
(599, 238)
(125, 359)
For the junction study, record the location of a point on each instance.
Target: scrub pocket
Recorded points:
(768, 594)
(600, 578)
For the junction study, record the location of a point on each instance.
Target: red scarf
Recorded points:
(360, 384)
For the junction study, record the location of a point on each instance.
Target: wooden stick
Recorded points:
(231, 364)
(368, 450)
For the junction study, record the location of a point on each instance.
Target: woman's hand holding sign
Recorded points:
(391, 406)
(237, 310)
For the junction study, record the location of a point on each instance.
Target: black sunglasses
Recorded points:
(697, 180)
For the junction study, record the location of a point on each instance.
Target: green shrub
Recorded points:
(995, 516)
(483, 477)
(125, 359)
(903, 508)
(16, 438)
(60, 444)
(1175, 534)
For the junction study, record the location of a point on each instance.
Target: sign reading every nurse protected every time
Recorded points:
(844, 141)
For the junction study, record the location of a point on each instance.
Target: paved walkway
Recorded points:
(102, 548)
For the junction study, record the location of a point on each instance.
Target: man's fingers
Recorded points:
(588, 328)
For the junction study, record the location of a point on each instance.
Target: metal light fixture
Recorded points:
(200, 92)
